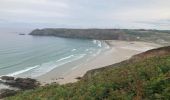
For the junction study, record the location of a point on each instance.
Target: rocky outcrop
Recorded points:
(7, 78)
(21, 83)
(16, 85)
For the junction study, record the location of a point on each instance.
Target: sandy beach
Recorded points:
(119, 51)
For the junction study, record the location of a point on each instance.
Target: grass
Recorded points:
(148, 79)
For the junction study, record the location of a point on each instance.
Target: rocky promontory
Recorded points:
(156, 36)
(100, 34)
(16, 84)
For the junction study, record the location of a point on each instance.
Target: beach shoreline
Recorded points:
(118, 51)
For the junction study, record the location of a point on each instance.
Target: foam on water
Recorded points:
(98, 42)
(65, 58)
(22, 71)
(44, 68)
(73, 49)
(87, 49)
(95, 41)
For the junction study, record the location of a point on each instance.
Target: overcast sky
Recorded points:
(153, 14)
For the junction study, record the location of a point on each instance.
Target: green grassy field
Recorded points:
(146, 79)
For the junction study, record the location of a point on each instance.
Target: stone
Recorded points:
(7, 78)
(6, 93)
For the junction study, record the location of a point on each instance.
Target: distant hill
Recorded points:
(83, 33)
(145, 76)
(157, 36)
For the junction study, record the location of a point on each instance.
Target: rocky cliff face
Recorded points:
(83, 33)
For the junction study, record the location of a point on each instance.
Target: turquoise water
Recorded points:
(32, 56)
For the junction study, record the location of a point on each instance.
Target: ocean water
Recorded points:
(33, 56)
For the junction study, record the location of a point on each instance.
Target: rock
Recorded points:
(25, 83)
(6, 93)
(20, 83)
(10, 82)
(21, 34)
(78, 78)
(7, 78)
(17, 84)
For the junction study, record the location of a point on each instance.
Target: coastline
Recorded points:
(118, 51)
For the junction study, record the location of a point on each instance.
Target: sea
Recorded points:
(33, 56)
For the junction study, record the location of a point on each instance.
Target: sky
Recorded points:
(148, 14)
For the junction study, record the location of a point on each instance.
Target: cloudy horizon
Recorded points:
(149, 14)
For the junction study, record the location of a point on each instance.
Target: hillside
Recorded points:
(157, 36)
(143, 77)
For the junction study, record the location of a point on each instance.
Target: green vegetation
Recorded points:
(156, 36)
(146, 79)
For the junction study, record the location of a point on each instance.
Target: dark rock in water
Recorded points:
(20, 83)
(16, 84)
(7, 92)
(7, 78)
(24, 83)
(21, 34)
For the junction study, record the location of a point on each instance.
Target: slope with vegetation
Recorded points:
(143, 77)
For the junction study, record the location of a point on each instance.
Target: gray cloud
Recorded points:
(86, 13)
